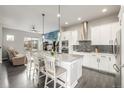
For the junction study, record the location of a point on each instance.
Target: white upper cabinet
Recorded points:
(71, 36)
(95, 35)
(65, 36)
(74, 37)
(104, 34)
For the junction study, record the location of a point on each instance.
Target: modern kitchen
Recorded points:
(84, 42)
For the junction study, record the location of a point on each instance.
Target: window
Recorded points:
(10, 37)
(31, 43)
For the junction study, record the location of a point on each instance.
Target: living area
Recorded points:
(15, 45)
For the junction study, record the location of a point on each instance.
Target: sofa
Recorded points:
(16, 58)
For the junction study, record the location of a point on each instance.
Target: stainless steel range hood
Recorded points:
(84, 31)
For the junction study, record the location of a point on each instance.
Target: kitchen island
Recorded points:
(72, 63)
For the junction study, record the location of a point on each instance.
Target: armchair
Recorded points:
(16, 58)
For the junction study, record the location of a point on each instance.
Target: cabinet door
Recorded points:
(90, 61)
(62, 36)
(111, 62)
(93, 62)
(65, 35)
(105, 34)
(74, 38)
(85, 60)
(68, 35)
(95, 35)
(104, 65)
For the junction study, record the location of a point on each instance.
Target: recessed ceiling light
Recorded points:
(79, 18)
(58, 15)
(104, 10)
(66, 23)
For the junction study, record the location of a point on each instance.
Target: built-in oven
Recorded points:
(65, 46)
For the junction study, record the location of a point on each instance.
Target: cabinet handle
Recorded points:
(116, 68)
(109, 58)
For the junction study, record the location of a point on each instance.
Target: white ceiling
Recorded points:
(23, 17)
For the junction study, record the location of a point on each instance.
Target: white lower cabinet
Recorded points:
(111, 62)
(93, 61)
(100, 62)
(85, 60)
(103, 64)
(90, 61)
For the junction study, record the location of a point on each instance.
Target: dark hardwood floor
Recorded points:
(95, 79)
(16, 77)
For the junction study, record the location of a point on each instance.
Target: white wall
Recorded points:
(74, 27)
(95, 22)
(18, 42)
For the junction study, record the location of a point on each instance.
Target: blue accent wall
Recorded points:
(52, 36)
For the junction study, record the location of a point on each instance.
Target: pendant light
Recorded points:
(43, 15)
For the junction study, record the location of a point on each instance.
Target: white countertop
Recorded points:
(64, 57)
(68, 57)
(91, 53)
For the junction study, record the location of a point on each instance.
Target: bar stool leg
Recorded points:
(54, 82)
(66, 80)
(45, 85)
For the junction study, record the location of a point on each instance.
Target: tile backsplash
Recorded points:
(85, 46)
(103, 48)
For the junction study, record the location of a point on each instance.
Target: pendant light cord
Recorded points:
(43, 29)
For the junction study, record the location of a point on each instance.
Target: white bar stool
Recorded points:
(54, 72)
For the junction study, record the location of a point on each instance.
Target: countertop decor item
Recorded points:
(52, 52)
(96, 50)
